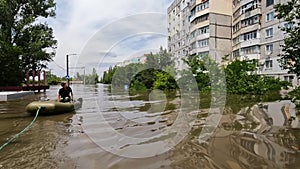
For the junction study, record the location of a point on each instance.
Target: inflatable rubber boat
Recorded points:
(53, 107)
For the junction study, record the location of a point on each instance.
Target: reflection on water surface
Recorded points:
(248, 135)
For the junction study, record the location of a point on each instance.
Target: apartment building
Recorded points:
(178, 30)
(242, 29)
(210, 28)
(256, 34)
(199, 27)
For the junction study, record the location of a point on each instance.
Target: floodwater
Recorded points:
(118, 131)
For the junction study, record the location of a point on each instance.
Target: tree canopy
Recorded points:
(290, 13)
(157, 73)
(25, 42)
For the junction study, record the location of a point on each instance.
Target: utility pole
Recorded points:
(67, 65)
(68, 77)
(83, 75)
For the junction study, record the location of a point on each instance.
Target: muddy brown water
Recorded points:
(249, 136)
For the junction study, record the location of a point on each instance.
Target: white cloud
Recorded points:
(79, 20)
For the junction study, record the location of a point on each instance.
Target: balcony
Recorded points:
(249, 56)
(250, 28)
(199, 50)
(236, 46)
(193, 4)
(250, 43)
(198, 14)
(244, 2)
(251, 13)
(203, 36)
(199, 25)
(199, 37)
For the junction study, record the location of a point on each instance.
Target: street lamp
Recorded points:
(67, 65)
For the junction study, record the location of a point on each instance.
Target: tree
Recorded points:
(91, 78)
(290, 13)
(25, 43)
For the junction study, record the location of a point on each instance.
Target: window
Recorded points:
(236, 53)
(200, 19)
(270, 2)
(193, 45)
(250, 21)
(203, 43)
(199, 7)
(249, 6)
(270, 16)
(200, 31)
(236, 40)
(250, 50)
(236, 27)
(269, 32)
(289, 25)
(289, 78)
(204, 30)
(269, 64)
(249, 36)
(193, 34)
(269, 48)
(236, 2)
(237, 13)
(202, 54)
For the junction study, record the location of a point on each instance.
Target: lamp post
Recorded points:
(67, 65)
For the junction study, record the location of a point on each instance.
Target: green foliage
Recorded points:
(164, 81)
(137, 86)
(11, 71)
(108, 75)
(89, 79)
(53, 79)
(289, 12)
(295, 94)
(25, 43)
(242, 79)
(238, 77)
(156, 73)
(199, 71)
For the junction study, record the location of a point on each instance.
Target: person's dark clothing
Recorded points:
(65, 93)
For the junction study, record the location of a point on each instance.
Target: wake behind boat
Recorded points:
(53, 107)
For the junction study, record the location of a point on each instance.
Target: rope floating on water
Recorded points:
(23, 131)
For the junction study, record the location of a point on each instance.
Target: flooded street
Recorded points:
(117, 131)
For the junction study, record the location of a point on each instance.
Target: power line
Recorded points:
(59, 65)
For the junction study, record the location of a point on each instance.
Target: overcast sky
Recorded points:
(107, 32)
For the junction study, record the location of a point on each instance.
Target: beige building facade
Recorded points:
(199, 27)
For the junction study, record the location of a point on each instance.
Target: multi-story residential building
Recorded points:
(246, 29)
(178, 30)
(210, 28)
(243, 29)
(271, 40)
(256, 34)
(199, 27)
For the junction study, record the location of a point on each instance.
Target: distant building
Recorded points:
(140, 59)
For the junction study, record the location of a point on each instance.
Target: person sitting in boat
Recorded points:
(65, 94)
